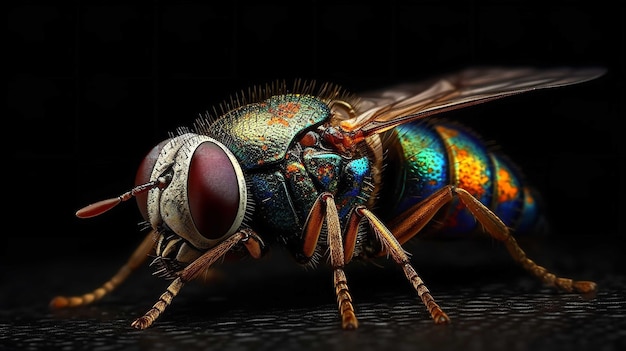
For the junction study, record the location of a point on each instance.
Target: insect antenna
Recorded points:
(102, 206)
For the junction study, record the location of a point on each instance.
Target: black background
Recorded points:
(92, 86)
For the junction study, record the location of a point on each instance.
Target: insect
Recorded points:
(331, 176)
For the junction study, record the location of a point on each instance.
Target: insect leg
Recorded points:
(498, 230)
(393, 247)
(411, 221)
(192, 270)
(313, 227)
(351, 232)
(335, 245)
(325, 208)
(136, 259)
(408, 224)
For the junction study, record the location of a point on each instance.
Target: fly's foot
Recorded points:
(142, 323)
(585, 287)
(436, 313)
(349, 320)
(441, 317)
(147, 319)
(60, 302)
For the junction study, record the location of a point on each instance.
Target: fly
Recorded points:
(334, 176)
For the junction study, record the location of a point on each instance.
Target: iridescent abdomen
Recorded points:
(423, 157)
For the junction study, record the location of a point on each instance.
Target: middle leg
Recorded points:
(391, 246)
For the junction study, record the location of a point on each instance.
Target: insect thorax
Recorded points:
(284, 193)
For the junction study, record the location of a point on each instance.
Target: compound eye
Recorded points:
(143, 176)
(214, 191)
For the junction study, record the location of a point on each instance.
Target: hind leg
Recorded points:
(413, 220)
(496, 228)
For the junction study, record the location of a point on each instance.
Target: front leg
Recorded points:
(247, 237)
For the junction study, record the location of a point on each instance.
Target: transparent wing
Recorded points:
(386, 109)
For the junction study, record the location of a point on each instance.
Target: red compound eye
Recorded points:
(213, 191)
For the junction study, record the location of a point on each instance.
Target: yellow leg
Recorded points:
(498, 230)
(408, 224)
(397, 253)
(136, 259)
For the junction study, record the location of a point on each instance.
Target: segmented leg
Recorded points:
(136, 259)
(245, 236)
(498, 230)
(335, 244)
(397, 253)
(324, 208)
(414, 219)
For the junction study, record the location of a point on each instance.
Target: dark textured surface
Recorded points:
(271, 305)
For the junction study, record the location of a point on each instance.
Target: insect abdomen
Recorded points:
(423, 157)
